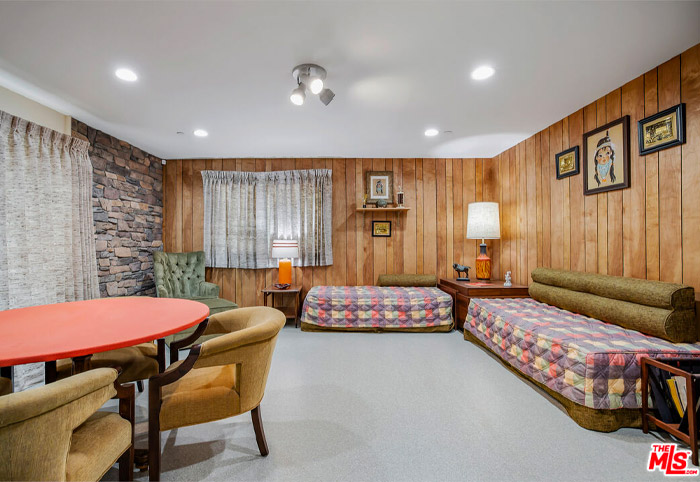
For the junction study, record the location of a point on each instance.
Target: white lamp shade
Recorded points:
(483, 221)
(285, 248)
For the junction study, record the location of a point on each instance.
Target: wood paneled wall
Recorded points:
(426, 239)
(651, 230)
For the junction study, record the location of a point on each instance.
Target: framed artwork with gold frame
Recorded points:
(606, 159)
(379, 186)
(567, 163)
(662, 130)
(381, 229)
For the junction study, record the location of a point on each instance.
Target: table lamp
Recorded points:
(483, 223)
(285, 250)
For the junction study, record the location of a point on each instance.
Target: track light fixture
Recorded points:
(311, 77)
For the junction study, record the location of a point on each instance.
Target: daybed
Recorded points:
(420, 307)
(559, 341)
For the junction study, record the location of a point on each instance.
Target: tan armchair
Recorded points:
(222, 377)
(55, 432)
(138, 362)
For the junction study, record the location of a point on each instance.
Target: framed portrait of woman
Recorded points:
(606, 160)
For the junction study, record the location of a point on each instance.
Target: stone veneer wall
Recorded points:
(127, 205)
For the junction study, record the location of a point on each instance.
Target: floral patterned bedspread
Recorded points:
(590, 362)
(377, 307)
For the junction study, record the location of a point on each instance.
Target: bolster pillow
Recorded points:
(407, 280)
(677, 326)
(670, 296)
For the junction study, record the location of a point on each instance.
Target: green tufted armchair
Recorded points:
(181, 275)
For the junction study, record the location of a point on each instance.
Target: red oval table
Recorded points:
(79, 329)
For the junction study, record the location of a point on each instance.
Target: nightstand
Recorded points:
(463, 291)
(292, 290)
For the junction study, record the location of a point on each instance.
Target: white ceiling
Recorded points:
(396, 68)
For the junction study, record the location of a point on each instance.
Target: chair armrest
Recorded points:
(32, 403)
(230, 321)
(162, 291)
(208, 289)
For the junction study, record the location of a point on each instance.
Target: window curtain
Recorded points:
(245, 211)
(47, 247)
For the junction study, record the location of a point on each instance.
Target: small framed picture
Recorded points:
(567, 163)
(381, 229)
(606, 160)
(380, 186)
(662, 130)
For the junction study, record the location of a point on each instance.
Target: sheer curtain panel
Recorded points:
(245, 211)
(47, 246)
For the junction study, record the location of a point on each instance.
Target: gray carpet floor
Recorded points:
(395, 407)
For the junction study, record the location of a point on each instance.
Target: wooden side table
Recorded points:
(463, 291)
(292, 290)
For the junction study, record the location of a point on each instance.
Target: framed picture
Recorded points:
(567, 163)
(380, 186)
(381, 229)
(662, 130)
(606, 160)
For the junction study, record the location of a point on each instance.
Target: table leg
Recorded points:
(265, 299)
(50, 372)
(81, 364)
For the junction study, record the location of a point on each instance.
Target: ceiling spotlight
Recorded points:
(310, 76)
(316, 86)
(298, 95)
(483, 72)
(126, 74)
(200, 133)
(431, 132)
(326, 96)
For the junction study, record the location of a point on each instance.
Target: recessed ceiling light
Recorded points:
(126, 74)
(483, 72)
(200, 133)
(431, 132)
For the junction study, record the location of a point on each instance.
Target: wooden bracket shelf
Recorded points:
(380, 210)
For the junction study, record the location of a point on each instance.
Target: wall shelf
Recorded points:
(382, 210)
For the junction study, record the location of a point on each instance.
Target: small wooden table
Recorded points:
(463, 291)
(294, 289)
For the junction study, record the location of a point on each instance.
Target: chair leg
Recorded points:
(126, 465)
(259, 432)
(153, 433)
(139, 385)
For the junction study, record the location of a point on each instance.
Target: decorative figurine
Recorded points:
(364, 201)
(508, 282)
(381, 203)
(461, 269)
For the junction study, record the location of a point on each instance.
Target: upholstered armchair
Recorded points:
(181, 275)
(55, 432)
(222, 377)
(137, 363)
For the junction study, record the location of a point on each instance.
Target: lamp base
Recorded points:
(483, 264)
(285, 271)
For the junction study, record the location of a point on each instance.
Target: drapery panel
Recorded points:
(47, 246)
(245, 211)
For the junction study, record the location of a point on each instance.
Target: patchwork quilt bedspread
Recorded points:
(590, 362)
(391, 307)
